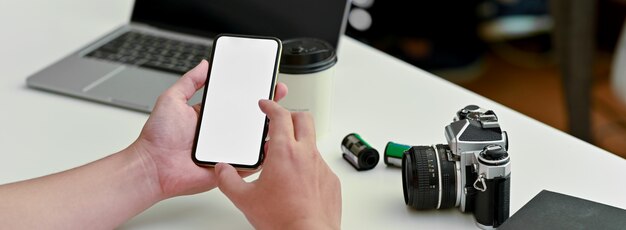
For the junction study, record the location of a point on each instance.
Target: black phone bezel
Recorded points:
(270, 97)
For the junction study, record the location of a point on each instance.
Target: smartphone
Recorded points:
(231, 127)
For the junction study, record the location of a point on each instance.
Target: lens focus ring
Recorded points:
(427, 178)
(423, 167)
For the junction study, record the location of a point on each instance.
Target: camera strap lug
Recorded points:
(482, 186)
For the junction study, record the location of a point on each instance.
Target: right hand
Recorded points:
(296, 189)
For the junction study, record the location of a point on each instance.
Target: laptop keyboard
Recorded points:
(152, 52)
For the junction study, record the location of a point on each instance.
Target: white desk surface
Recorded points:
(375, 95)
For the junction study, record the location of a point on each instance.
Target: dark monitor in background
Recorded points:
(284, 19)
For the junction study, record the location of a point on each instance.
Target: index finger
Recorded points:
(281, 125)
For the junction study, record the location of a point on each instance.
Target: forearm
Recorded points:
(99, 195)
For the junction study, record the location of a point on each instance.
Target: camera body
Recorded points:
(472, 172)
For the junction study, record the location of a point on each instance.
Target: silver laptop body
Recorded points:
(136, 87)
(111, 82)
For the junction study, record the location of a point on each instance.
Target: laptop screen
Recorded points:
(285, 19)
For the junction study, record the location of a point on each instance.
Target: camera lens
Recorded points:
(428, 177)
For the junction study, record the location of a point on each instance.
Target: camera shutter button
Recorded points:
(494, 153)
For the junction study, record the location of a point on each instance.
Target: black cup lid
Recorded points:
(306, 55)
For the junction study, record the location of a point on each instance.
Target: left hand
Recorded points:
(166, 140)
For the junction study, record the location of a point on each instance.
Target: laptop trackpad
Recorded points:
(132, 87)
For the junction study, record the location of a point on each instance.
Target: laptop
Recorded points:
(132, 65)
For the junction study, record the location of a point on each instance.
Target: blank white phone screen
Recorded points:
(242, 72)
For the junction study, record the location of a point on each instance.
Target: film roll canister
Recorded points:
(393, 153)
(358, 152)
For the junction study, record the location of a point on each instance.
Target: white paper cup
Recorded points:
(307, 68)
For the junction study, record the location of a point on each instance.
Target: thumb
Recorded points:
(230, 182)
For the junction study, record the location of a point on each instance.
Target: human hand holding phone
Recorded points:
(167, 138)
(154, 167)
(296, 189)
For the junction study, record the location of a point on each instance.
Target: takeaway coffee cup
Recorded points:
(306, 67)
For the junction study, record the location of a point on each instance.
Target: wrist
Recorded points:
(146, 170)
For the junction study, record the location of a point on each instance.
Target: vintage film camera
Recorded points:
(472, 172)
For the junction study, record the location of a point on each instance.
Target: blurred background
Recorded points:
(557, 61)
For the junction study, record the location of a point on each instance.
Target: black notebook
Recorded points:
(550, 210)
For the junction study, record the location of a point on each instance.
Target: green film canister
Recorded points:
(393, 153)
(358, 152)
